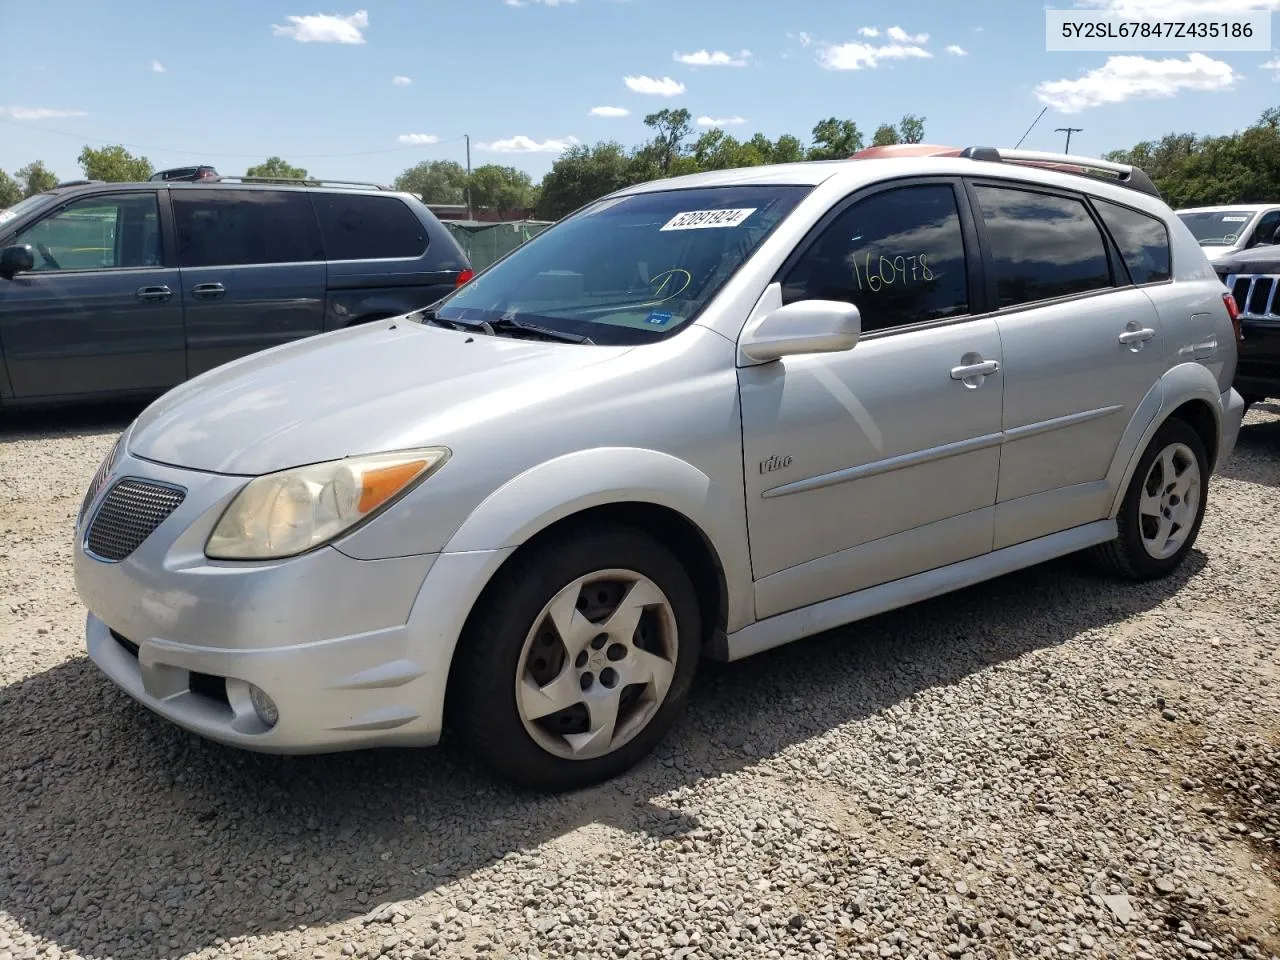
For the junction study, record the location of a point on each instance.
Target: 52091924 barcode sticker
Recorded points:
(705, 219)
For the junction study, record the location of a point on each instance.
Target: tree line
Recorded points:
(578, 176)
(1190, 170)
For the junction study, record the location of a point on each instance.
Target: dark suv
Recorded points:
(131, 288)
(1253, 277)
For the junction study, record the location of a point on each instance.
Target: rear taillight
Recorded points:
(464, 277)
(1233, 311)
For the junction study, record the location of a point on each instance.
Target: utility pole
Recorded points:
(467, 137)
(1068, 131)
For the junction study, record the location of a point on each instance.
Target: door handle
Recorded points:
(160, 293)
(1131, 337)
(971, 370)
(208, 291)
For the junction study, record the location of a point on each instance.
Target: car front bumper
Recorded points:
(353, 653)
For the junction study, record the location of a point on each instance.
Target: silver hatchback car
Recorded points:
(700, 417)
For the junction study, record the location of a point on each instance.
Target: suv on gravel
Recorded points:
(130, 288)
(703, 416)
(1253, 277)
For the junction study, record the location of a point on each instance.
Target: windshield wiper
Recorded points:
(429, 315)
(511, 325)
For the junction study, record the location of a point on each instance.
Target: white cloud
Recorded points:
(325, 28)
(1170, 8)
(869, 31)
(157, 67)
(418, 139)
(1136, 78)
(956, 50)
(720, 121)
(717, 58)
(805, 39)
(548, 3)
(1272, 65)
(522, 144)
(39, 113)
(609, 111)
(855, 56)
(898, 35)
(666, 87)
(401, 81)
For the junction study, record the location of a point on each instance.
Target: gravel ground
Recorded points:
(1048, 764)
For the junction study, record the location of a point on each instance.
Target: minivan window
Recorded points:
(97, 233)
(1042, 245)
(1143, 241)
(627, 269)
(228, 227)
(361, 227)
(898, 256)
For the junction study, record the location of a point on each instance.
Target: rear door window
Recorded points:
(361, 227)
(233, 227)
(1043, 246)
(1143, 241)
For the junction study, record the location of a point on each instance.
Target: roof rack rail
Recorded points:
(307, 182)
(1125, 175)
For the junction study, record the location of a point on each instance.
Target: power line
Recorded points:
(229, 156)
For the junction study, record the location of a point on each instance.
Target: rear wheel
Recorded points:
(1163, 507)
(578, 659)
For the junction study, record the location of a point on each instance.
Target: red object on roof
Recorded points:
(907, 150)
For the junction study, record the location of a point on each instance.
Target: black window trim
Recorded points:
(1092, 199)
(166, 244)
(1115, 263)
(973, 243)
(317, 196)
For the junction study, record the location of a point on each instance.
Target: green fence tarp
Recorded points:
(486, 242)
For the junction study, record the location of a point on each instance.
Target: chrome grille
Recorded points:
(1255, 295)
(130, 511)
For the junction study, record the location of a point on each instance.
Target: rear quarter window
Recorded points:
(1143, 241)
(361, 227)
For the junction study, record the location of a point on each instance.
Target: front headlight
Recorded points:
(287, 513)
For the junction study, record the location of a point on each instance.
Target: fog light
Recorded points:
(263, 706)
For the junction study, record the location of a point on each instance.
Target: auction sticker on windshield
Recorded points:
(6, 216)
(704, 219)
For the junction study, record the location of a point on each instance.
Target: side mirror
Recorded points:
(806, 326)
(16, 259)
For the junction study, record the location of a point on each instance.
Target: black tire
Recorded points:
(1125, 556)
(481, 704)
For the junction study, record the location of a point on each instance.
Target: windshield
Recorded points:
(1217, 228)
(627, 270)
(22, 206)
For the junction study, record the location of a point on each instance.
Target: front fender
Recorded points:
(1178, 385)
(534, 500)
(569, 484)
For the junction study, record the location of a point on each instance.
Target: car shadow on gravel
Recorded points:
(44, 423)
(1257, 454)
(120, 835)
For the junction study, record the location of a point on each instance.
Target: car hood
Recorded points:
(384, 386)
(1261, 259)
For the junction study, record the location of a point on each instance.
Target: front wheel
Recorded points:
(577, 660)
(1163, 507)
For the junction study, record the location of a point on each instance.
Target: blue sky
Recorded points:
(362, 90)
